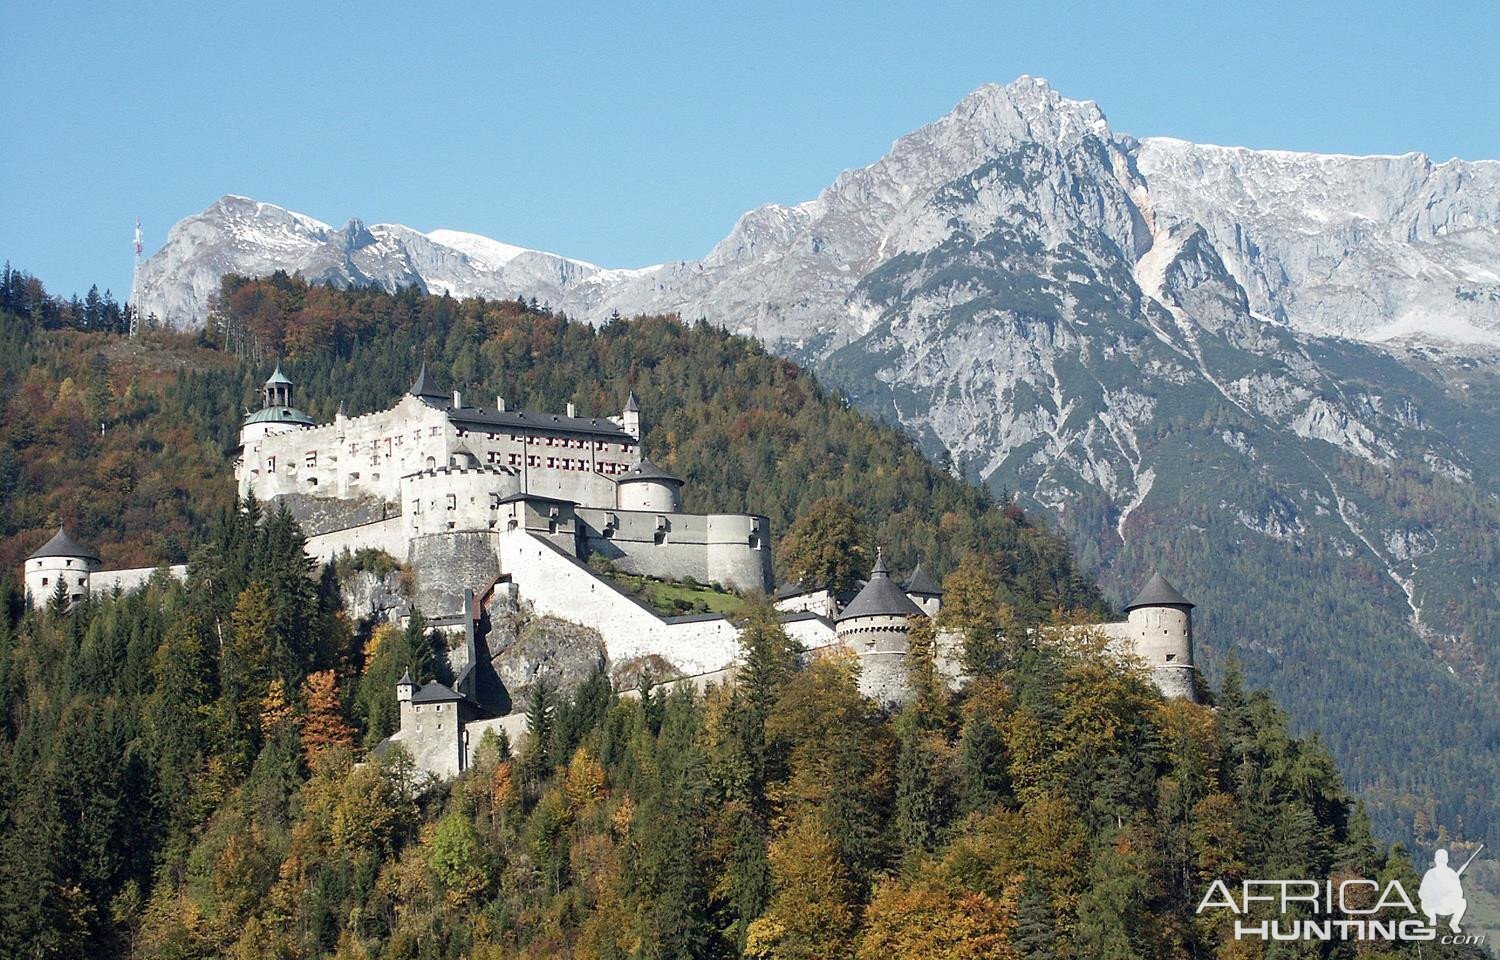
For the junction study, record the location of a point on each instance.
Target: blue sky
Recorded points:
(627, 134)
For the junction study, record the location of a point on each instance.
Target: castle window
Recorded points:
(270, 465)
(551, 461)
(436, 431)
(312, 458)
(81, 581)
(452, 501)
(754, 542)
(1171, 657)
(44, 581)
(416, 506)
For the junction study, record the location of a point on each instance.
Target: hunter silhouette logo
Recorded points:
(1442, 893)
(1353, 908)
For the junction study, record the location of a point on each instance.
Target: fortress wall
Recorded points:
(810, 633)
(363, 456)
(448, 564)
(881, 644)
(455, 498)
(321, 515)
(587, 485)
(388, 535)
(556, 583)
(731, 549)
(104, 582)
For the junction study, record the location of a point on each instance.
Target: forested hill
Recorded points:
(178, 774)
(129, 442)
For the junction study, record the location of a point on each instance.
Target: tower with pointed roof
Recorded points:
(876, 628)
(61, 560)
(630, 419)
(277, 413)
(1160, 621)
(924, 591)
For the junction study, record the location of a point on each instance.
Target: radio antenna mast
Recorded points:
(135, 284)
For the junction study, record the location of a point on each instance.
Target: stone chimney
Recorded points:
(500, 404)
(572, 410)
(458, 400)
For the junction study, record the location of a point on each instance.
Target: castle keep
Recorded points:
(490, 509)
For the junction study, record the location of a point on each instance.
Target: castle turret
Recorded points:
(1161, 622)
(648, 487)
(426, 388)
(875, 627)
(631, 419)
(61, 560)
(277, 414)
(406, 688)
(924, 592)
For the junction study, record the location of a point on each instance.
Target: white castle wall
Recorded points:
(389, 535)
(350, 457)
(558, 584)
(731, 549)
(107, 581)
(456, 498)
(654, 495)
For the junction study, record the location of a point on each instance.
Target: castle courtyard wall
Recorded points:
(730, 549)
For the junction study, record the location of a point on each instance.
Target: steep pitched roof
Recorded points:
(1158, 593)
(632, 405)
(278, 378)
(435, 692)
(62, 545)
(921, 584)
(426, 388)
(881, 597)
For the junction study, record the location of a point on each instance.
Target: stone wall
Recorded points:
(446, 565)
(558, 584)
(730, 549)
(388, 535)
(104, 582)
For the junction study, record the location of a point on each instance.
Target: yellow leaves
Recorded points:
(812, 912)
(380, 638)
(274, 709)
(584, 782)
(1189, 737)
(936, 921)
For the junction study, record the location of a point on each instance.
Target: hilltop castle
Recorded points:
(489, 508)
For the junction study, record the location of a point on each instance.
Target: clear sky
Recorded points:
(628, 134)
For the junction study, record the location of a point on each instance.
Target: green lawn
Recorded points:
(674, 598)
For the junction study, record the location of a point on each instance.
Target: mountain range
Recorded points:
(1271, 375)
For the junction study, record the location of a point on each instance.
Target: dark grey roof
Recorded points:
(62, 545)
(921, 584)
(1158, 593)
(498, 420)
(646, 470)
(514, 497)
(426, 388)
(435, 692)
(787, 590)
(881, 597)
(406, 679)
(631, 404)
(278, 377)
(800, 616)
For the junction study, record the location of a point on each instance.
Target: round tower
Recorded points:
(1162, 625)
(648, 487)
(60, 560)
(875, 627)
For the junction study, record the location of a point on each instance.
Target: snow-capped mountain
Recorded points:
(1249, 368)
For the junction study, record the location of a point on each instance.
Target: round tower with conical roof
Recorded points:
(60, 560)
(1161, 620)
(876, 628)
(648, 487)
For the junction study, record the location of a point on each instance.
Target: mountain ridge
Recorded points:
(1132, 335)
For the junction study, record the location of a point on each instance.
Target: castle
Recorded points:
(488, 508)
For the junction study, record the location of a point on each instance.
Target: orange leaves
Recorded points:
(323, 723)
(936, 921)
